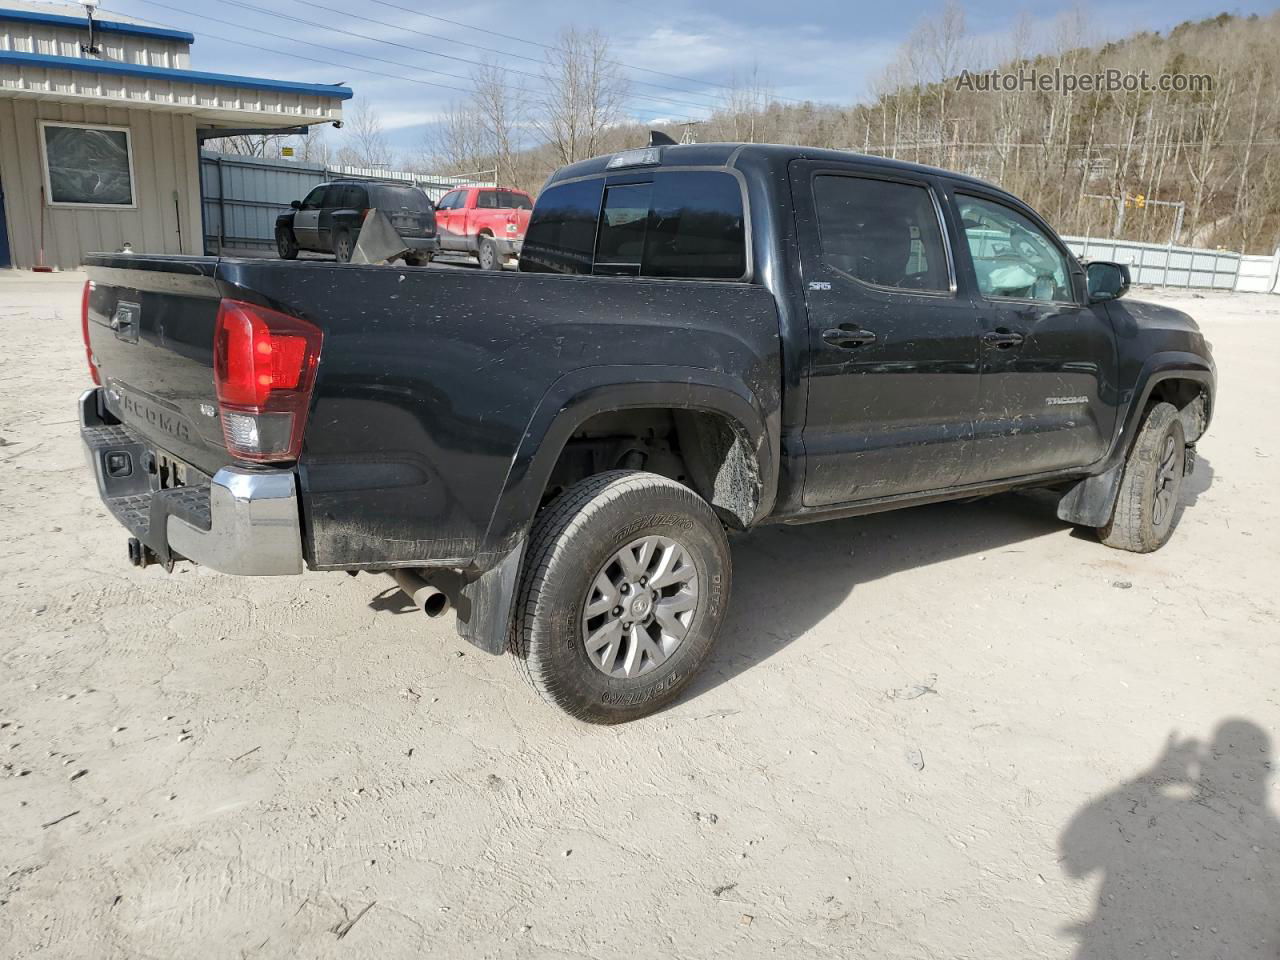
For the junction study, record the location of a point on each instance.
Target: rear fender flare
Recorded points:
(580, 395)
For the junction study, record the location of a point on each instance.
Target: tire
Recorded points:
(342, 246)
(487, 254)
(286, 244)
(576, 541)
(1147, 506)
(417, 259)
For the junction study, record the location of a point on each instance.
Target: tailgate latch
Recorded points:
(126, 320)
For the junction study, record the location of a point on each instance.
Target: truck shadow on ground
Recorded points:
(1188, 854)
(788, 579)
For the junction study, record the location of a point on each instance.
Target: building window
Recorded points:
(87, 165)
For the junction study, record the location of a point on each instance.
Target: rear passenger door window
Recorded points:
(882, 232)
(355, 197)
(332, 196)
(697, 227)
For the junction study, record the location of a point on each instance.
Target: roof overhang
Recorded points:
(215, 99)
(103, 26)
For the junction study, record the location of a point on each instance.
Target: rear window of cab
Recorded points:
(679, 224)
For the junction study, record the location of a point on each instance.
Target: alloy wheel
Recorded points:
(639, 607)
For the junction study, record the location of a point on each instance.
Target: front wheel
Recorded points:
(1147, 505)
(623, 590)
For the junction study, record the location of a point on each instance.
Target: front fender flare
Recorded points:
(1167, 365)
(1092, 500)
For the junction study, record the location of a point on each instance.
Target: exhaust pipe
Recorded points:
(430, 600)
(140, 555)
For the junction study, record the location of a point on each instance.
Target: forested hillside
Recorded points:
(1216, 150)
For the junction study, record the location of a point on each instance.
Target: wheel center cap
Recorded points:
(640, 606)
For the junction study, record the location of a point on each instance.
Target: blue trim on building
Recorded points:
(85, 65)
(106, 26)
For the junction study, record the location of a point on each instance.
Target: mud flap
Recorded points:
(484, 604)
(1092, 500)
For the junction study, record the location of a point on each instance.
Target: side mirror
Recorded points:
(1107, 281)
(296, 204)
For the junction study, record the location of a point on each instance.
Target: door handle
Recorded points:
(848, 338)
(1003, 339)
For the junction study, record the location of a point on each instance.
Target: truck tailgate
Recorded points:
(150, 328)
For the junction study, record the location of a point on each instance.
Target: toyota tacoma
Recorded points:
(700, 339)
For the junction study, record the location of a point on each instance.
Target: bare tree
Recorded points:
(499, 110)
(1075, 153)
(313, 146)
(251, 145)
(744, 106)
(456, 143)
(364, 140)
(944, 49)
(584, 94)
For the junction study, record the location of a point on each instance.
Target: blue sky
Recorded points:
(821, 50)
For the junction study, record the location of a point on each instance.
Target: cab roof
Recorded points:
(770, 154)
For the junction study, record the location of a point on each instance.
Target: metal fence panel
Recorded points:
(242, 196)
(1164, 265)
(1259, 274)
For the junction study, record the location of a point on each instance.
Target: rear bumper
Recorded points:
(240, 521)
(509, 248)
(422, 244)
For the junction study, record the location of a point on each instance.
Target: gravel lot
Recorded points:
(955, 731)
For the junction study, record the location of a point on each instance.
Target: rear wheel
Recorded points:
(417, 259)
(342, 246)
(286, 244)
(623, 590)
(488, 254)
(1147, 506)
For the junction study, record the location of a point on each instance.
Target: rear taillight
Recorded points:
(84, 331)
(264, 366)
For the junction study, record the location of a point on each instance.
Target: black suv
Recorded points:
(329, 219)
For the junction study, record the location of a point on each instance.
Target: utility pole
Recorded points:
(688, 136)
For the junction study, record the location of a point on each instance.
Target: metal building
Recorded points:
(100, 126)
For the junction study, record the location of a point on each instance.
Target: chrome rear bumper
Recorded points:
(241, 521)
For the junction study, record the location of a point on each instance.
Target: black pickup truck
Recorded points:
(700, 338)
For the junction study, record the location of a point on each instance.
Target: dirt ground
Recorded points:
(960, 731)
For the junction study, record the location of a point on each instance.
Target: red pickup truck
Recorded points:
(486, 222)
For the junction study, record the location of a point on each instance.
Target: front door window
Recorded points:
(1012, 257)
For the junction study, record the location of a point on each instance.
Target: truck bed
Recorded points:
(435, 388)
